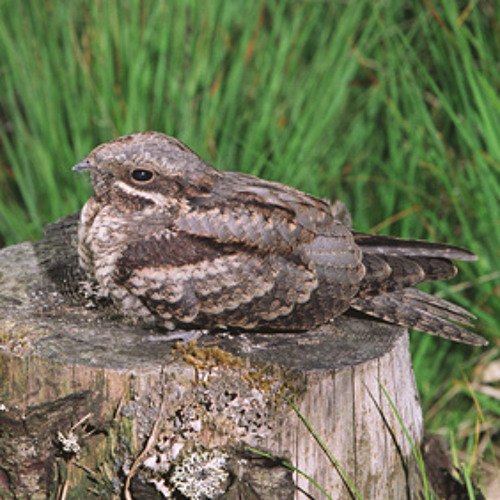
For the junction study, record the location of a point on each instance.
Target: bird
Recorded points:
(174, 242)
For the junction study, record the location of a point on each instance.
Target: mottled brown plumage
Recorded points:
(173, 241)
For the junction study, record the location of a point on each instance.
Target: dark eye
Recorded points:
(141, 175)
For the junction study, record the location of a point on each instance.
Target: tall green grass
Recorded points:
(393, 108)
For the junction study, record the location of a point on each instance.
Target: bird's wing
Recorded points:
(390, 245)
(195, 280)
(262, 214)
(244, 254)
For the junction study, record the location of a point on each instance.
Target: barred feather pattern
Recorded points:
(175, 242)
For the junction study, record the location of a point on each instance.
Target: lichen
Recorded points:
(69, 443)
(201, 475)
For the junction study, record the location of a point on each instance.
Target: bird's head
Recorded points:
(145, 169)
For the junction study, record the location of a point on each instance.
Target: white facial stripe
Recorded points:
(153, 196)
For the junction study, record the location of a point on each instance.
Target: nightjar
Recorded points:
(173, 241)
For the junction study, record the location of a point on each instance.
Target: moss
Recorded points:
(265, 377)
(207, 357)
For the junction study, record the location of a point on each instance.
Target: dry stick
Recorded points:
(80, 422)
(149, 445)
(63, 492)
(120, 406)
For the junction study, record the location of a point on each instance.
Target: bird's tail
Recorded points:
(393, 266)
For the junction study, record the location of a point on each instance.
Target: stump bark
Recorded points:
(94, 407)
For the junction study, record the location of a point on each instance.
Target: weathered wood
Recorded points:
(62, 359)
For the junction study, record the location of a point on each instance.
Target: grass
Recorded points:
(393, 108)
(463, 470)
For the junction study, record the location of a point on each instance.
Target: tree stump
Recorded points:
(94, 407)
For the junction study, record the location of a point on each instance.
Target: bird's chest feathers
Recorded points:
(112, 230)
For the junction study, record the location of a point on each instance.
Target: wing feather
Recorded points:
(195, 279)
(389, 245)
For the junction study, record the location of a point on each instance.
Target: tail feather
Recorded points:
(436, 268)
(416, 309)
(392, 267)
(387, 273)
(389, 245)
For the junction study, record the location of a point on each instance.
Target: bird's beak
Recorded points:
(83, 166)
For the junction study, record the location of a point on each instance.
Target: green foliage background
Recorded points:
(392, 107)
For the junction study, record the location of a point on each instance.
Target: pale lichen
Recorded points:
(201, 475)
(69, 443)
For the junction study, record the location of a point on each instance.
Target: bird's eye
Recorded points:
(141, 175)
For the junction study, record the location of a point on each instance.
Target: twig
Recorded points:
(149, 445)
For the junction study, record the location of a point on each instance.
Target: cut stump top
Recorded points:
(42, 312)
